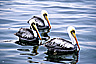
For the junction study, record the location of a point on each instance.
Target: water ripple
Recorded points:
(14, 14)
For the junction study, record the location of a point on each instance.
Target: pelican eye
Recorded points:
(33, 24)
(73, 31)
(44, 14)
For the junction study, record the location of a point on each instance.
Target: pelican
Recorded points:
(42, 23)
(62, 45)
(29, 34)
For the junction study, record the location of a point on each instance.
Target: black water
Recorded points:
(14, 14)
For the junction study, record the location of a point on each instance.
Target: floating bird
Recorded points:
(62, 45)
(42, 23)
(29, 34)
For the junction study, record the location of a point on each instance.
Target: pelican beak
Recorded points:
(48, 21)
(76, 39)
(37, 31)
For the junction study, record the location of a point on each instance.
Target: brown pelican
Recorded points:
(41, 23)
(62, 45)
(29, 34)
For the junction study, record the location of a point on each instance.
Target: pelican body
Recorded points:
(42, 24)
(27, 34)
(62, 45)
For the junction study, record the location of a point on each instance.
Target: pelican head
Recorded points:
(33, 26)
(45, 16)
(72, 35)
(31, 21)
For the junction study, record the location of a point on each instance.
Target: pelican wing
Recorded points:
(39, 21)
(25, 33)
(59, 43)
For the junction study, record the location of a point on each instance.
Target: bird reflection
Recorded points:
(45, 36)
(27, 43)
(33, 51)
(62, 57)
(44, 31)
(35, 48)
(27, 51)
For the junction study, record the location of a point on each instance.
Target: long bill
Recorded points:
(37, 32)
(48, 21)
(76, 40)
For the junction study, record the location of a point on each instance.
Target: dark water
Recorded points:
(62, 13)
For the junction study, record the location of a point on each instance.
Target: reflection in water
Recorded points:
(26, 43)
(62, 57)
(44, 31)
(32, 61)
(35, 46)
(30, 53)
(33, 51)
(45, 36)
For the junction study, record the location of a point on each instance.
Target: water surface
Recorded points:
(14, 14)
